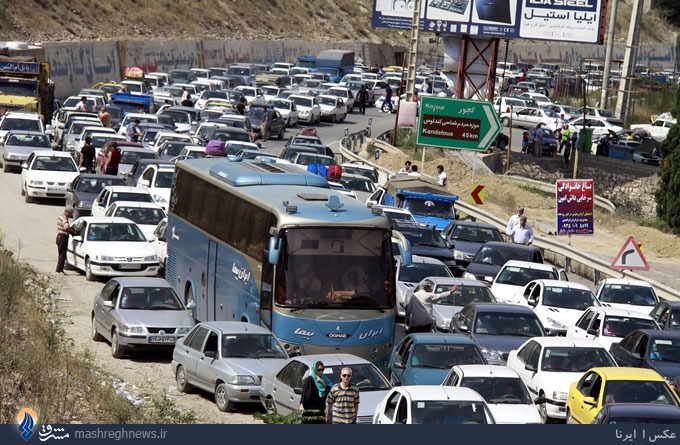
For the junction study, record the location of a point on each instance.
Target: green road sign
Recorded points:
(457, 123)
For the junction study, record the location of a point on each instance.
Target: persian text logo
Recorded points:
(27, 418)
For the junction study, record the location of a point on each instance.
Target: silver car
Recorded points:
(139, 313)
(281, 389)
(227, 359)
(17, 145)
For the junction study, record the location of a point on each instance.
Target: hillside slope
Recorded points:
(315, 20)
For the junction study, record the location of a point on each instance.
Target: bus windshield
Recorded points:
(335, 267)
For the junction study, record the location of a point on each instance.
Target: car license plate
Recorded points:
(55, 190)
(161, 339)
(130, 266)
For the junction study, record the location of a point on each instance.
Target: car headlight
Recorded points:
(35, 183)
(151, 258)
(243, 380)
(555, 324)
(445, 323)
(159, 199)
(182, 331)
(491, 355)
(103, 258)
(303, 112)
(559, 395)
(457, 254)
(469, 276)
(133, 329)
(12, 156)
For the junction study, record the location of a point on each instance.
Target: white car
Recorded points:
(432, 404)
(288, 110)
(600, 126)
(658, 129)
(143, 118)
(409, 276)
(147, 215)
(530, 118)
(159, 242)
(548, 365)
(15, 120)
(157, 179)
(608, 325)
(514, 275)
(396, 213)
(541, 99)
(47, 174)
(345, 94)
(634, 295)
(557, 303)
(113, 193)
(110, 246)
(502, 388)
(252, 94)
(309, 111)
(163, 136)
(280, 389)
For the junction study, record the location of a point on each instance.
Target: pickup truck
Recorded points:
(429, 203)
(657, 129)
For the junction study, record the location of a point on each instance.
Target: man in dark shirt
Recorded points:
(113, 160)
(87, 154)
(241, 107)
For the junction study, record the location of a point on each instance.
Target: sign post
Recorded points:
(457, 123)
(630, 257)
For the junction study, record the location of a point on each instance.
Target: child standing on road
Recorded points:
(525, 142)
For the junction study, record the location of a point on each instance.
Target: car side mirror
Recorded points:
(463, 328)
(145, 183)
(594, 332)
(636, 356)
(540, 400)
(297, 391)
(211, 354)
(78, 238)
(399, 365)
(532, 301)
(108, 303)
(24, 165)
(191, 305)
(530, 367)
(590, 401)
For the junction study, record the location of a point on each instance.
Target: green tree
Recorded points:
(672, 141)
(669, 10)
(668, 193)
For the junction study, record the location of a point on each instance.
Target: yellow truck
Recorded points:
(26, 86)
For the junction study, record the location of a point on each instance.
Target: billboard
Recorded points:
(579, 21)
(575, 206)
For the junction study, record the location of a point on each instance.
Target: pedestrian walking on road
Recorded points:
(87, 154)
(514, 220)
(63, 231)
(362, 98)
(388, 100)
(522, 234)
(314, 392)
(342, 403)
(113, 160)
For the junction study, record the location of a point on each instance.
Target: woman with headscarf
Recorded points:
(314, 390)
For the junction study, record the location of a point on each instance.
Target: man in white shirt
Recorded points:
(426, 296)
(442, 179)
(514, 221)
(82, 105)
(522, 234)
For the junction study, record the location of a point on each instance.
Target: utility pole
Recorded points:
(604, 97)
(629, 61)
(413, 52)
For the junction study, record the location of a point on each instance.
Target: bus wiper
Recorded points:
(315, 305)
(368, 304)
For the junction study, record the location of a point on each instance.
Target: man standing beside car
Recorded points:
(63, 231)
(342, 402)
(362, 98)
(87, 154)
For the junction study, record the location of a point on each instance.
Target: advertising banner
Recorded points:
(575, 207)
(556, 20)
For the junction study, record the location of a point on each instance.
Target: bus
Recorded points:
(272, 244)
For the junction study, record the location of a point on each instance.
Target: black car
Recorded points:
(168, 150)
(84, 189)
(468, 237)
(649, 348)
(277, 124)
(633, 413)
(497, 328)
(492, 255)
(667, 314)
(138, 168)
(289, 152)
(427, 241)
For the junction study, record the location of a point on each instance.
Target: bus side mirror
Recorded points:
(404, 247)
(274, 250)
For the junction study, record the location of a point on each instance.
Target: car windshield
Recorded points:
(445, 356)
(95, 185)
(29, 140)
(255, 113)
(665, 350)
(452, 412)
(177, 117)
(616, 326)
(251, 346)
(505, 323)
(303, 101)
(239, 71)
(605, 113)
(150, 299)
(464, 295)
(365, 376)
(424, 207)
(100, 141)
(638, 391)
(210, 94)
(475, 234)
(164, 179)
(283, 104)
(173, 148)
(114, 232)
(141, 215)
(305, 159)
(574, 359)
(371, 174)
(500, 390)
(130, 196)
(415, 272)
(330, 101)
(358, 184)
(54, 163)
(569, 298)
(627, 294)
(130, 157)
(520, 276)
(422, 236)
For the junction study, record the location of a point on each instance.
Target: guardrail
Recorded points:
(596, 266)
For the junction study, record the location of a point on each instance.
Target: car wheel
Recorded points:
(23, 192)
(95, 335)
(543, 410)
(288, 123)
(221, 398)
(5, 168)
(181, 379)
(269, 405)
(506, 122)
(570, 419)
(117, 351)
(89, 276)
(408, 320)
(282, 133)
(27, 198)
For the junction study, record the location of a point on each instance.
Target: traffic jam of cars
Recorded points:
(493, 333)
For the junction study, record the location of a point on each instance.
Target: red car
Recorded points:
(103, 154)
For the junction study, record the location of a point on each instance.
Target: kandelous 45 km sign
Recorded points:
(457, 123)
